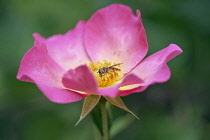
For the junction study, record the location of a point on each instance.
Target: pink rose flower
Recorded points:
(102, 56)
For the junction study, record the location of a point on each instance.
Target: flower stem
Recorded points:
(104, 119)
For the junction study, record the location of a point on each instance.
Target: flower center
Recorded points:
(106, 73)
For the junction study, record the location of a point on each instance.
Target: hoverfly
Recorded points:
(106, 69)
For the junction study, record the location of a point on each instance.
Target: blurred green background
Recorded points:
(175, 110)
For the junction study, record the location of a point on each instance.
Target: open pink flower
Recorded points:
(102, 56)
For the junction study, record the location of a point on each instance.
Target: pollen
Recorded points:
(106, 73)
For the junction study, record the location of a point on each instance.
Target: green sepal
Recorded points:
(89, 103)
(117, 101)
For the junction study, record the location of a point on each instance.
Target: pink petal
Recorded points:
(67, 50)
(113, 91)
(131, 91)
(58, 94)
(154, 69)
(115, 34)
(39, 68)
(38, 39)
(80, 79)
(133, 80)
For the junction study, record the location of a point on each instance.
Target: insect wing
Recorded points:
(115, 65)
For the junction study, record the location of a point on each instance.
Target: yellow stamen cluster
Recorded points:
(108, 78)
